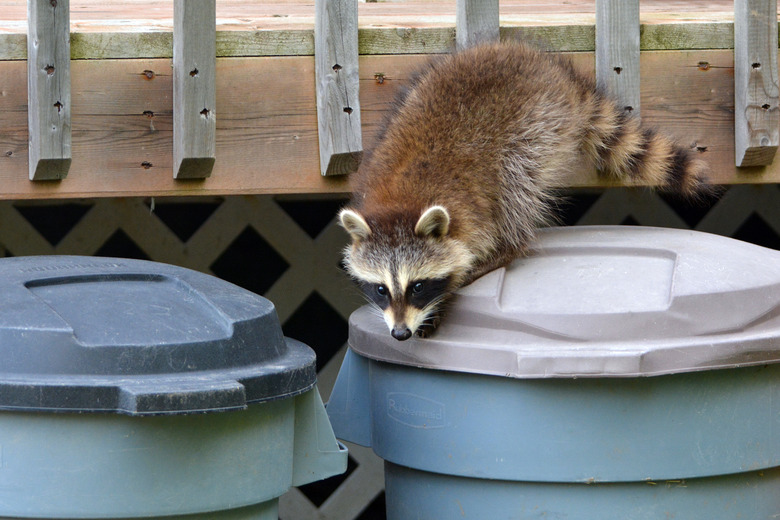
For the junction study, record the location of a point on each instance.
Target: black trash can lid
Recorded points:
(83, 334)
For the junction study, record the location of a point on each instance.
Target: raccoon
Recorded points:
(468, 166)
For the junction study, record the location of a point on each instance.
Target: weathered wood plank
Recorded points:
(281, 11)
(575, 36)
(476, 21)
(338, 86)
(617, 50)
(756, 110)
(194, 88)
(48, 85)
(267, 138)
(686, 36)
(113, 29)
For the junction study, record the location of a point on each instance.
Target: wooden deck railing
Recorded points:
(245, 108)
(48, 89)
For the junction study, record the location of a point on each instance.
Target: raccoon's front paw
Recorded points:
(427, 329)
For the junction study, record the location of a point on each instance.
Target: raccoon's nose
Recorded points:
(401, 333)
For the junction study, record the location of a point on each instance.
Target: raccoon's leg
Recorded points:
(484, 268)
(427, 329)
(430, 325)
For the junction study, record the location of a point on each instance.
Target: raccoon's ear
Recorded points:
(435, 221)
(355, 225)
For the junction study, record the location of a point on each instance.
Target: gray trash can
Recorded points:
(132, 389)
(616, 373)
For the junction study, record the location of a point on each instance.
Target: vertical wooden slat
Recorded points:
(617, 50)
(194, 88)
(476, 22)
(48, 88)
(336, 75)
(756, 114)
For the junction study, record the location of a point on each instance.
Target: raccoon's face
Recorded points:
(407, 269)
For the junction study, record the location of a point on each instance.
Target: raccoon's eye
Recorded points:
(417, 288)
(381, 290)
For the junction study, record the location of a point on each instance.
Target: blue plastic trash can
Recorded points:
(132, 389)
(615, 373)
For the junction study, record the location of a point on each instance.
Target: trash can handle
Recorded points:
(316, 454)
(349, 408)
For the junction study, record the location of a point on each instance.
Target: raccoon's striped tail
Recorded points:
(635, 155)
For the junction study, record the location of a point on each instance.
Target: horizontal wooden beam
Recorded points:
(571, 34)
(267, 134)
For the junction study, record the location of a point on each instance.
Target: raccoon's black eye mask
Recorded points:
(419, 293)
(422, 292)
(377, 293)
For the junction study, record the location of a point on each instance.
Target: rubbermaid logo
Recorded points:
(415, 411)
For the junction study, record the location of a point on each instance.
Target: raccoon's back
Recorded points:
(478, 108)
(492, 131)
(475, 107)
(450, 132)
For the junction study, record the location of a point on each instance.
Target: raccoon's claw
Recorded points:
(424, 331)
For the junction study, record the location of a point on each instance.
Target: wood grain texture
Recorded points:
(113, 29)
(756, 110)
(194, 88)
(476, 21)
(48, 89)
(267, 131)
(617, 50)
(337, 86)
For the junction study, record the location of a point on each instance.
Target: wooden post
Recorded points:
(617, 50)
(194, 88)
(338, 89)
(48, 88)
(756, 115)
(476, 21)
